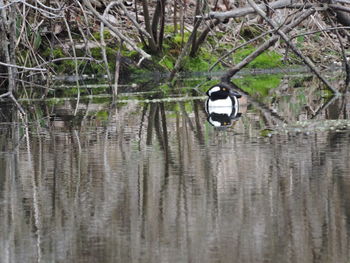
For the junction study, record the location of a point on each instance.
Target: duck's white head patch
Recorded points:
(213, 89)
(214, 123)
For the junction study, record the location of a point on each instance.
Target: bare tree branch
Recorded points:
(287, 28)
(115, 30)
(306, 60)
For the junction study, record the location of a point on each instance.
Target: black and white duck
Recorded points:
(222, 106)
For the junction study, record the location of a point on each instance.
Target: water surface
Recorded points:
(154, 182)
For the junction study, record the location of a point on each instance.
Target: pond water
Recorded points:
(153, 181)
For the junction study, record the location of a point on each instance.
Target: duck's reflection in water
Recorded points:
(222, 105)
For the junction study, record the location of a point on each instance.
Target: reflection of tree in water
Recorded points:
(154, 186)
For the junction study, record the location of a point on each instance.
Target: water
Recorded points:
(154, 182)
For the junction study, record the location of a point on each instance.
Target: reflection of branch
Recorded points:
(198, 131)
(151, 116)
(78, 176)
(36, 197)
(267, 112)
(165, 134)
(187, 118)
(158, 129)
(144, 110)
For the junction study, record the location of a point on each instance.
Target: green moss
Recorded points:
(196, 64)
(179, 39)
(129, 53)
(167, 62)
(266, 132)
(165, 88)
(300, 41)
(169, 29)
(102, 115)
(56, 52)
(54, 101)
(202, 62)
(268, 59)
(98, 100)
(65, 66)
(100, 90)
(249, 32)
(106, 35)
(96, 53)
(259, 85)
(37, 41)
(95, 68)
